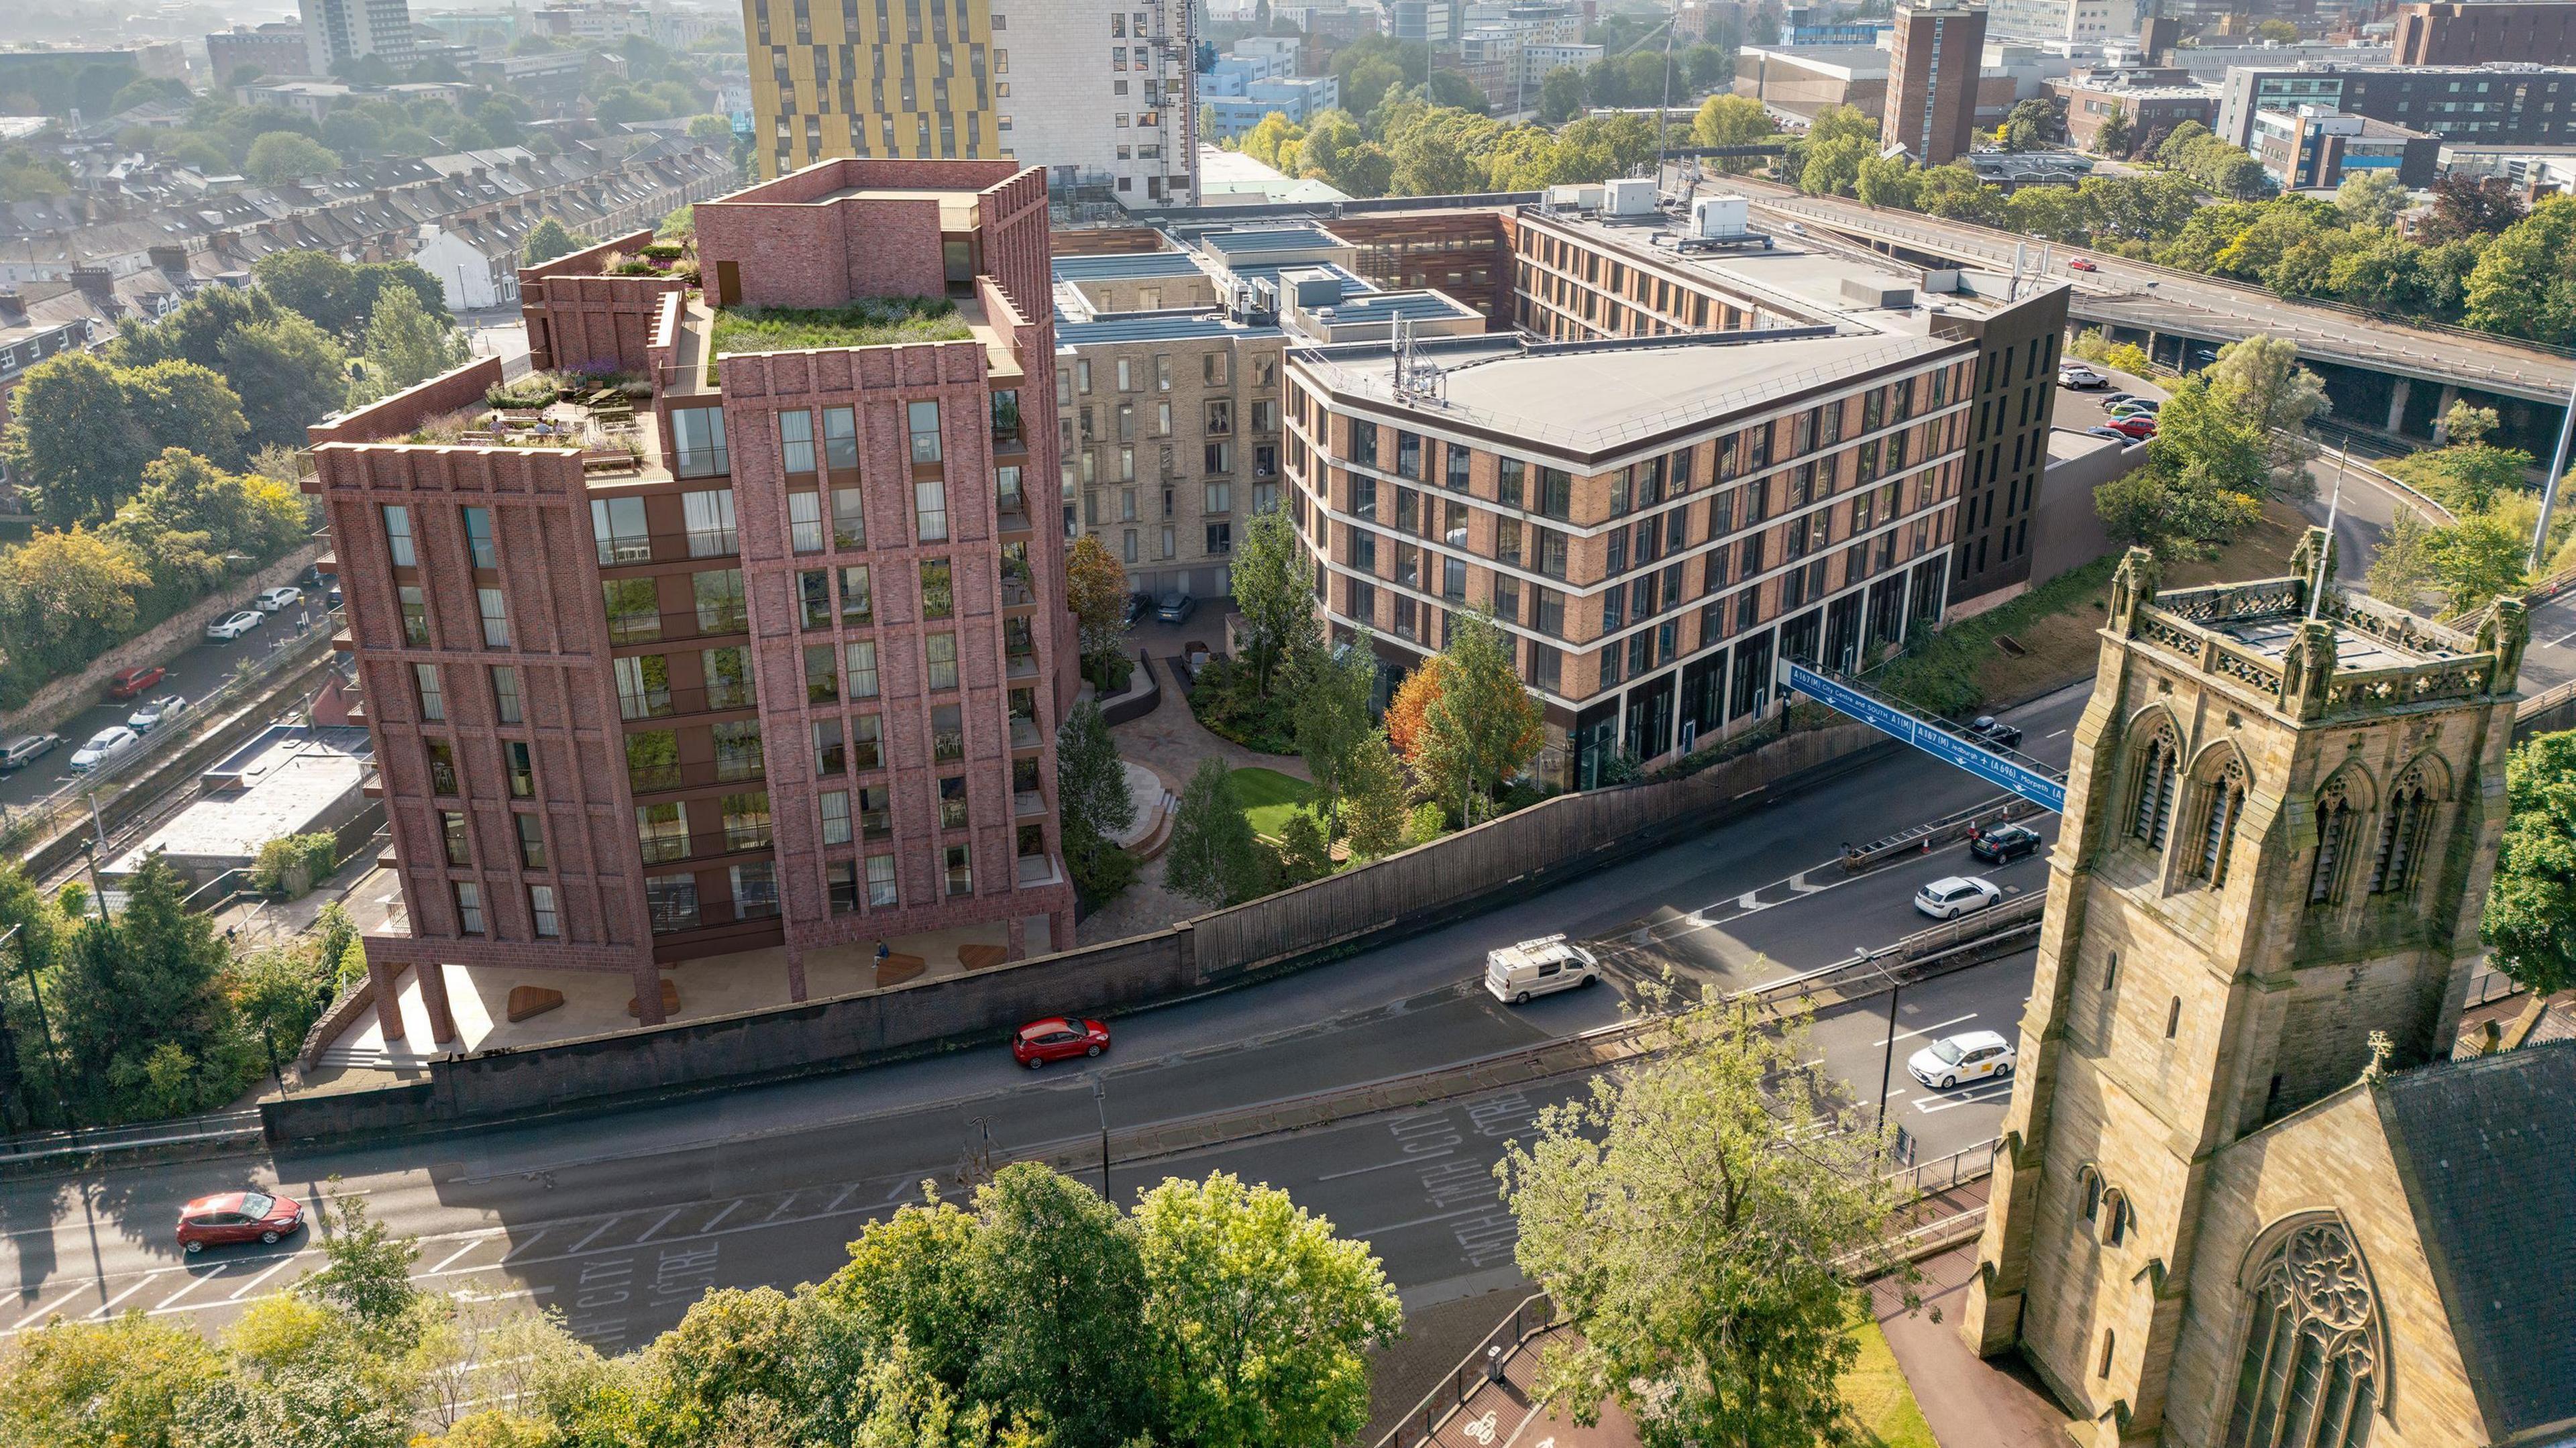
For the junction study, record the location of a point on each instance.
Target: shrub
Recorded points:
(277, 867)
(1227, 700)
(1427, 822)
(662, 251)
(534, 390)
(1109, 673)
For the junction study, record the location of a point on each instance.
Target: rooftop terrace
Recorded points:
(870, 322)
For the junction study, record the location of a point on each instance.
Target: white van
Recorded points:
(1535, 967)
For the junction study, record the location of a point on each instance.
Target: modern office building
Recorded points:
(1239, 90)
(2450, 33)
(339, 31)
(2083, 22)
(1103, 96)
(1937, 52)
(1802, 80)
(276, 48)
(2154, 100)
(2312, 148)
(2490, 104)
(771, 663)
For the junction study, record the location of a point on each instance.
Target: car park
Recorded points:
(1538, 967)
(1057, 1038)
(2134, 407)
(2004, 843)
(1967, 1056)
(1952, 896)
(229, 1217)
(1996, 732)
(2136, 428)
(233, 627)
(1175, 607)
(26, 749)
(2118, 437)
(278, 598)
(2076, 374)
(135, 683)
(103, 746)
(155, 714)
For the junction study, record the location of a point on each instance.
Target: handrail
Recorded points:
(1459, 1385)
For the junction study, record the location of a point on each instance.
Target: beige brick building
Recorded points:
(2215, 1221)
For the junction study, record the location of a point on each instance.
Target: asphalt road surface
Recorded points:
(622, 1220)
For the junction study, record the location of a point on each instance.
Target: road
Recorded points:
(2136, 295)
(194, 672)
(623, 1220)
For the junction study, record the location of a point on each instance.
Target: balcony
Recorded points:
(620, 550)
(696, 774)
(1016, 593)
(1038, 871)
(1025, 734)
(649, 628)
(1028, 804)
(1021, 665)
(673, 703)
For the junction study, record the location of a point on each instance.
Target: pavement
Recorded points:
(623, 1219)
(1969, 1401)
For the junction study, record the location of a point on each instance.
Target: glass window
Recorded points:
(941, 651)
(858, 605)
(746, 821)
(738, 751)
(710, 521)
(961, 872)
(862, 663)
(717, 593)
(930, 509)
(922, 420)
(841, 882)
(505, 693)
(728, 675)
(672, 901)
(398, 535)
(822, 681)
(478, 536)
(663, 831)
(699, 434)
(865, 732)
(849, 518)
(442, 766)
(828, 756)
(433, 701)
(541, 912)
(938, 599)
(947, 733)
(840, 437)
(452, 829)
(796, 441)
(532, 841)
(836, 817)
(415, 614)
(952, 802)
(1507, 487)
(881, 888)
(805, 522)
(523, 776)
(633, 606)
(814, 597)
(469, 908)
(643, 686)
(755, 890)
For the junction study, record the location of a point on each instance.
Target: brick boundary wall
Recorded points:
(69, 695)
(1421, 889)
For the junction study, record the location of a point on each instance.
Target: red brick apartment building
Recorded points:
(789, 675)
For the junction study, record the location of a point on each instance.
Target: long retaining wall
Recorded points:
(1423, 888)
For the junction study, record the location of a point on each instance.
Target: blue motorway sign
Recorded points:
(1932, 739)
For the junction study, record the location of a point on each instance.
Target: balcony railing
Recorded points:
(671, 703)
(620, 549)
(1027, 803)
(647, 628)
(1025, 734)
(697, 774)
(1022, 666)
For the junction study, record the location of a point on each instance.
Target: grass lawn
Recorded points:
(870, 323)
(1268, 796)
(1880, 1400)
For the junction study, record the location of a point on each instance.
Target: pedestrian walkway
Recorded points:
(1969, 1401)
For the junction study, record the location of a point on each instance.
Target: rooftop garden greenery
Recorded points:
(876, 322)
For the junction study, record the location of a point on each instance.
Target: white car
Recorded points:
(277, 598)
(1967, 1056)
(235, 626)
(2076, 374)
(1952, 896)
(103, 746)
(155, 714)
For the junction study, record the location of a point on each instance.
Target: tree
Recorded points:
(1560, 95)
(1373, 799)
(1449, 88)
(1095, 587)
(1270, 592)
(679, 228)
(2530, 919)
(2525, 282)
(1484, 728)
(2371, 198)
(1093, 803)
(1732, 120)
(1273, 142)
(406, 346)
(282, 156)
(109, 1384)
(1331, 719)
(147, 985)
(2466, 206)
(2115, 136)
(1833, 166)
(2403, 567)
(1408, 712)
(73, 444)
(1213, 857)
(337, 296)
(290, 375)
(1304, 853)
(1707, 1262)
(2478, 559)
(1431, 163)
(2204, 475)
(1238, 1363)
(2260, 382)
(366, 1271)
(1888, 181)
(2029, 125)
(549, 239)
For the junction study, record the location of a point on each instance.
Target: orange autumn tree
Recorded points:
(1408, 714)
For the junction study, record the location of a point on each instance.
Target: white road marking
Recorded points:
(2560, 642)
(1427, 1221)
(104, 1308)
(730, 1208)
(1991, 1091)
(575, 1250)
(46, 1310)
(1381, 1166)
(2059, 734)
(781, 1209)
(459, 1252)
(836, 1201)
(648, 1232)
(1926, 1030)
(252, 1285)
(523, 1246)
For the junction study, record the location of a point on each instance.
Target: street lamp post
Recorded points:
(1672, 27)
(1887, 1063)
(1100, 1099)
(2549, 488)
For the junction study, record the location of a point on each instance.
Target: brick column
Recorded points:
(1060, 929)
(1018, 938)
(433, 994)
(387, 980)
(648, 994)
(795, 974)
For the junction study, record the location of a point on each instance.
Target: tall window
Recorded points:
(532, 841)
(2401, 837)
(881, 886)
(662, 831)
(805, 522)
(840, 437)
(433, 699)
(505, 694)
(2218, 823)
(2156, 779)
(699, 434)
(469, 908)
(923, 422)
(415, 614)
(710, 521)
(796, 441)
(2334, 843)
(930, 509)
(717, 594)
(478, 536)
(398, 535)
(862, 662)
(941, 650)
(541, 911)
(2308, 1378)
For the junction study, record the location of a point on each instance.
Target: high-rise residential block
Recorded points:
(339, 31)
(2448, 33)
(1936, 53)
(1102, 95)
(762, 647)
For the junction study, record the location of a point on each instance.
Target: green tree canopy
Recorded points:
(1334, 688)
(282, 156)
(549, 239)
(2530, 919)
(405, 345)
(1484, 728)
(1213, 857)
(1093, 802)
(1270, 591)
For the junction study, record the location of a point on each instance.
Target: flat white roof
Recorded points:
(292, 783)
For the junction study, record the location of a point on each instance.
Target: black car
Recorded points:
(2005, 842)
(1138, 605)
(1991, 730)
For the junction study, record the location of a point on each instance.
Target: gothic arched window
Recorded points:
(2334, 843)
(2223, 805)
(2309, 1377)
(2401, 836)
(2157, 775)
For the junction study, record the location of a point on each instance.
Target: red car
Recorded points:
(237, 1217)
(2140, 428)
(1057, 1038)
(2080, 264)
(134, 683)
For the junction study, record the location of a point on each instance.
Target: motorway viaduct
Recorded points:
(2380, 374)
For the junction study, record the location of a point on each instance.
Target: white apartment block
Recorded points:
(1106, 98)
(2090, 22)
(337, 31)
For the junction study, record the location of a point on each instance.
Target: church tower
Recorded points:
(2281, 812)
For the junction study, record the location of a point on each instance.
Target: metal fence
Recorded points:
(42, 1146)
(1967, 1164)
(1535, 1315)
